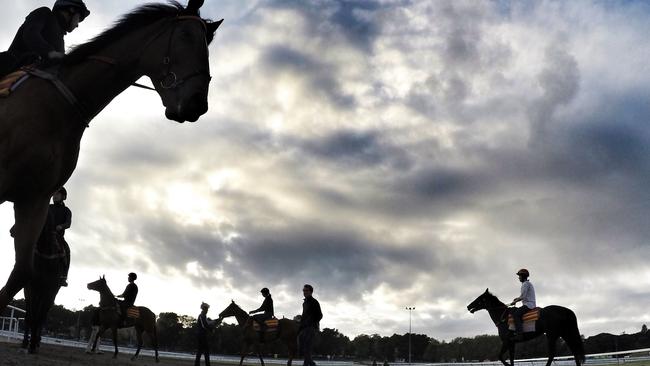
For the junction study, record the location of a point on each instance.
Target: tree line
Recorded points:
(177, 333)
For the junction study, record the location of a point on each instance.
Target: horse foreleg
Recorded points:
(30, 218)
(258, 348)
(243, 355)
(552, 340)
(504, 348)
(511, 349)
(292, 354)
(114, 331)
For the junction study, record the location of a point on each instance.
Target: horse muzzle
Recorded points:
(189, 110)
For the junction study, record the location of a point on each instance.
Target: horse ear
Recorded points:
(487, 290)
(213, 26)
(233, 301)
(193, 6)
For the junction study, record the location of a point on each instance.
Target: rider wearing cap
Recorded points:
(265, 311)
(40, 37)
(527, 298)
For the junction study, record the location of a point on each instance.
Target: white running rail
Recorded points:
(11, 324)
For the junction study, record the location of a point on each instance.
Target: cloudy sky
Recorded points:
(391, 153)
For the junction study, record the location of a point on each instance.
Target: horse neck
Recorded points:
(106, 297)
(241, 316)
(96, 81)
(496, 310)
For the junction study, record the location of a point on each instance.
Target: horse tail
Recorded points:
(574, 339)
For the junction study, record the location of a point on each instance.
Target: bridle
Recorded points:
(504, 315)
(169, 80)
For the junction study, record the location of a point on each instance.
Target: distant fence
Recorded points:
(11, 324)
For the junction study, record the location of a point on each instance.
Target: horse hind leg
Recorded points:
(138, 332)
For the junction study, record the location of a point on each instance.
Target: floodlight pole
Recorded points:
(410, 309)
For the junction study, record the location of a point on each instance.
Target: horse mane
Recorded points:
(493, 297)
(140, 17)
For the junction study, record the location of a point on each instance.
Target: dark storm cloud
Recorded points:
(357, 148)
(344, 262)
(321, 76)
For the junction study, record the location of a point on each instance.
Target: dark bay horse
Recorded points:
(110, 319)
(44, 285)
(43, 121)
(287, 333)
(554, 321)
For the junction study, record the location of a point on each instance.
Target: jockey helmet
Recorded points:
(133, 275)
(265, 290)
(204, 306)
(523, 272)
(79, 5)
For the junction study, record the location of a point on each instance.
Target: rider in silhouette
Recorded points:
(62, 219)
(527, 298)
(266, 312)
(129, 295)
(58, 219)
(40, 37)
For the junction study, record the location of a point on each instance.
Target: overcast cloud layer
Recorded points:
(391, 153)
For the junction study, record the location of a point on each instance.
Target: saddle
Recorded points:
(271, 325)
(529, 319)
(133, 312)
(11, 82)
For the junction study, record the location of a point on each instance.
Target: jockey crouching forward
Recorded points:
(527, 298)
(265, 312)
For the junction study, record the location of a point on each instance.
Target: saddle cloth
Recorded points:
(10, 82)
(529, 318)
(133, 312)
(271, 325)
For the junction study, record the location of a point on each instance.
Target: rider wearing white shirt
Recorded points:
(527, 298)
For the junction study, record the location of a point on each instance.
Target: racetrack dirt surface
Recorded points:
(52, 355)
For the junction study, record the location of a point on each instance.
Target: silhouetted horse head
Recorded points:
(178, 64)
(231, 310)
(483, 302)
(98, 285)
